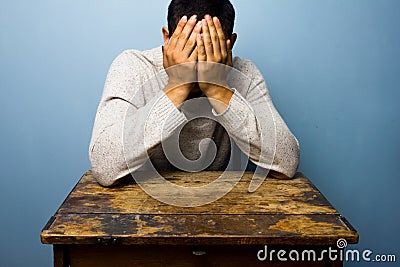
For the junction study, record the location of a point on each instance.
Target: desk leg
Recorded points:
(60, 256)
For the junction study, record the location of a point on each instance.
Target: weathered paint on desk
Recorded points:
(280, 212)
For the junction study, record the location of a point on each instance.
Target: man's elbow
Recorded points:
(289, 161)
(105, 177)
(105, 171)
(293, 158)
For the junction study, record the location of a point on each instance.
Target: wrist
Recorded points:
(219, 93)
(178, 87)
(219, 97)
(177, 93)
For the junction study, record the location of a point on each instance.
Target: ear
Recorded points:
(165, 34)
(233, 39)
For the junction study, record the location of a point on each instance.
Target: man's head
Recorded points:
(222, 9)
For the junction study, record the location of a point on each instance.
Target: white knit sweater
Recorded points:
(135, 115)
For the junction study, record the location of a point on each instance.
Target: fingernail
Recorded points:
(204, 22)
(193, 18)
(184, 18)
(208, 17)
(215, 19)
(198, 25)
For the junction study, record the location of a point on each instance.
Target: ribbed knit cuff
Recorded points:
(166, 115)
(234, 117)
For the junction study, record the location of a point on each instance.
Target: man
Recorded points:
(142, 115)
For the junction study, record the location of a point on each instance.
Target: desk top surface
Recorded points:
(280, 212)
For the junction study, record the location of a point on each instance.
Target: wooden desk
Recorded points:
(123, 226)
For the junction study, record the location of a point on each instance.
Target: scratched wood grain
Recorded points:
(279, 212)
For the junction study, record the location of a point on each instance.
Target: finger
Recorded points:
(201, 51)
(229, 51)
(193, 57)
(214, 36)
(221, 35)
(191, 43)
(177, 32)
(186, 32)
(207, 39)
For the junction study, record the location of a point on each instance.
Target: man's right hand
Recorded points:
(180, 56)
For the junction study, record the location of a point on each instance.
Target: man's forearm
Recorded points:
(177, 94)
(219, 97)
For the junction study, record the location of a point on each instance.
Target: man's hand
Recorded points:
(180, 56)
(215, 60)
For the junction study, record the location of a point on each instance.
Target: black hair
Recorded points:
(223, 9)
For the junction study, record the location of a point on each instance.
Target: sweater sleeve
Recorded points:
(258, 130)
(126, 113)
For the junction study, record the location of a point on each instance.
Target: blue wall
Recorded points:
(332, 68)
